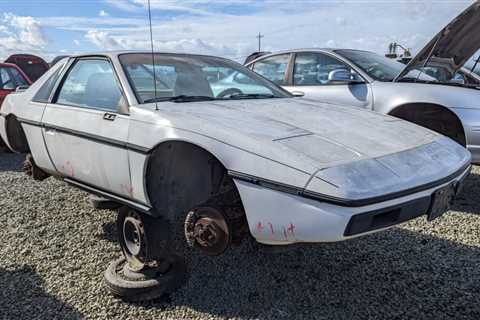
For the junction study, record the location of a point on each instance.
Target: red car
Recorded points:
(11, 77)
(33, 66)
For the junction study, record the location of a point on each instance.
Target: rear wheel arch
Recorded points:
(16, 135)
(181, 175)
(433, 116)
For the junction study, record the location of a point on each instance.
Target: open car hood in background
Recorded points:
(453, 46)
(33, 66)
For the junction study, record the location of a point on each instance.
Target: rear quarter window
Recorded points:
(43, 94)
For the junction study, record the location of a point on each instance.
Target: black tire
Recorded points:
(101, 203)
(147, 286)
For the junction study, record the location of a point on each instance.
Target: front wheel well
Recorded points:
(434, 117)
(181, 175)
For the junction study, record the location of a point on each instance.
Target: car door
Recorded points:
(311, 73)
(7, 83)
(86, 127)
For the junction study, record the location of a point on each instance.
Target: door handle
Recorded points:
(50, 131)
(109, 116)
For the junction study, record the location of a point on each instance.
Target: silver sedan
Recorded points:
(425, 91)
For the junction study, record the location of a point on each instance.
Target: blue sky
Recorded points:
(225, 28)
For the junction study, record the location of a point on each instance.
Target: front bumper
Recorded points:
(280, 218)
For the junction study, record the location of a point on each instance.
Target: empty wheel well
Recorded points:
(15, 134)
(181, 175)
(434, 117)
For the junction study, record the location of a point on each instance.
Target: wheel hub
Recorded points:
(133, 235)
(207, 229)
(133, 241)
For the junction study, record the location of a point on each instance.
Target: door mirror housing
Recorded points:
(22, 88)
(343, 76)
(298, 94)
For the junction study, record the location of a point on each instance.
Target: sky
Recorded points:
(225, 28)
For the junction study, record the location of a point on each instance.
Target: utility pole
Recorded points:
(259, 37)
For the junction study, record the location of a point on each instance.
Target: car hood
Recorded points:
(343, 152)
(301, 133)
(451, 48)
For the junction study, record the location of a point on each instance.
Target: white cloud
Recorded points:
(106, 41)
(123, 5)
(102, 39)
(76, 42)
(103, 13)
(201, 26)
(23, 34)
(369, 25)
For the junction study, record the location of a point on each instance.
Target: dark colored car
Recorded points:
(34, 67)
(255, 55)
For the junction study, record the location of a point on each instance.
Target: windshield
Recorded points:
(376, 66)
(384, 69)
(180, 77)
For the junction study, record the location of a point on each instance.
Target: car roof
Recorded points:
(112, 54)
(328, 50)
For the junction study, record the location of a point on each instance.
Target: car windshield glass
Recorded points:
(376, 66)
(185, 78)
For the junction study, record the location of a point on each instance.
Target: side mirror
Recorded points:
(298, 94)
(22, 88)
(343, 76)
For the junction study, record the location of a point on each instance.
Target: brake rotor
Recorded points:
(207, 229)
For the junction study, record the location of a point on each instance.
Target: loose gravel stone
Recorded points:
(55, 248)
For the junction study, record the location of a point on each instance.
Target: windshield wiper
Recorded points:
(180, 98)
(251, 96)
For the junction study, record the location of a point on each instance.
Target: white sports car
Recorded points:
(162, 140)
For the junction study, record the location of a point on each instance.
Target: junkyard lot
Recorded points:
(55, 248)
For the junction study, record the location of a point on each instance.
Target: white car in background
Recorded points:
(182, 154)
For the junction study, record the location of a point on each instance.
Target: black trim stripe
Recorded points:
(265, 182)
(341, 201)
(89, 136)
(109, 195)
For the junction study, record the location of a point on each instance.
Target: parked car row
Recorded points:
(209, 147)
(433, 90)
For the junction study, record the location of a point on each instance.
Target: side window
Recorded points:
(91, 83)
(313, 69)
(273, 68)
(6, 82)
(43, 94)
(19, 79)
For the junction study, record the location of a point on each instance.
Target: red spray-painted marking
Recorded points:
(271, 228)
(127, 189)
(291, 228)
(70, 170)
(260, 226)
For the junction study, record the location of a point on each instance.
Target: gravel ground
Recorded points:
(56, 247)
